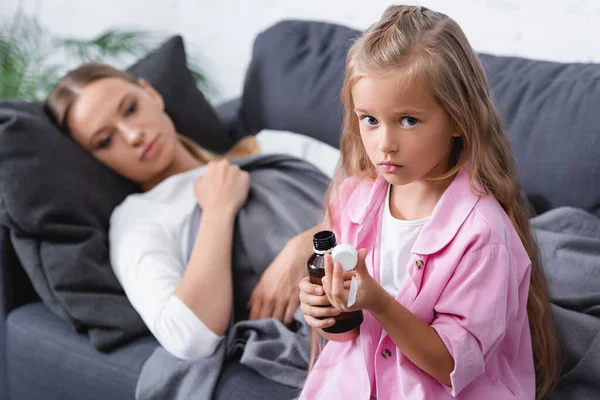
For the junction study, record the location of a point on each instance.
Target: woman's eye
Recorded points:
(408, 122)
(104, 143)
(131, 109)
(370, 120)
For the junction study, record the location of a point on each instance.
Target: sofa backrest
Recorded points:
(551, 111)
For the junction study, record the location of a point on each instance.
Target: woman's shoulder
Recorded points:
(136, 207)
(166, 202)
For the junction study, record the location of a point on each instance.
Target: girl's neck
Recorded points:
(183, 161)
(416, 200)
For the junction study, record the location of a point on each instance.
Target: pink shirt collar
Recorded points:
(448, 215)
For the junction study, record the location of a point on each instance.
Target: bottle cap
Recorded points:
(324, 241)
(346, 255)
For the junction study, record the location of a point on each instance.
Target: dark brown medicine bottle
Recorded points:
(323, 243)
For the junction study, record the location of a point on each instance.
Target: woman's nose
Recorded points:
(133, 135)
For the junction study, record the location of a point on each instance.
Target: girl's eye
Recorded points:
(105, 143)
(408, 122)
(131, 109)
(370, 120)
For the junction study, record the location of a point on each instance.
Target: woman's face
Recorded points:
(124, 126)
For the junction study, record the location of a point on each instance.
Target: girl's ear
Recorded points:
(152, 92)
(455, 131)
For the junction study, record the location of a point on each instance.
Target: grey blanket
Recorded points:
(569, 241)
(286, 197)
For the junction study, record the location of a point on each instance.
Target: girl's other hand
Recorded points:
(315, 306)
(370, 295)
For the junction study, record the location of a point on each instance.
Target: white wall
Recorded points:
(223, 30)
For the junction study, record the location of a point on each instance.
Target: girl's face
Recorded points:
(406, 133)
(124, 126)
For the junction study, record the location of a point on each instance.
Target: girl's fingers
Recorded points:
(337, 282)
(361, 266)
(307, 287)
(328, 267)
(318, 312)
(319, 323)
(348, 275)
(313, 300)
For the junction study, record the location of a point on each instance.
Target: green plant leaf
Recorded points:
(27, 50)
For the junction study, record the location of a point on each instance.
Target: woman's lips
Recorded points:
(151, 150)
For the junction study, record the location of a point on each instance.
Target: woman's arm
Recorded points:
(145, 258)
(175, 302)
(206, 286)
(276, 294)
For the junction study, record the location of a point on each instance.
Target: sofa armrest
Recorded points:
(15, 286)
(15, 290)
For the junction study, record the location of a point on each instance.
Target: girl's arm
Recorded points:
(415, 339)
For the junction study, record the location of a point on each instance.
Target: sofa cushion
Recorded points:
(294, 80)
(56, 200)
(166, 69)
(550, 110)
(46, 359)
(44, 355)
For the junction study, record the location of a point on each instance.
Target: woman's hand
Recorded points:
(223, 187)
(276, 294)
(336, 284)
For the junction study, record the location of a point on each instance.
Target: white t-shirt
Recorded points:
(148, 241)
(397, 239)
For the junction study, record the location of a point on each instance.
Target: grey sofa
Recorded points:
(292, 83)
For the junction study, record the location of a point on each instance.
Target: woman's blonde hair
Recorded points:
(429, 50)
(61, 98)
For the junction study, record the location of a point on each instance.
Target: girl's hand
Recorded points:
(223, 187)
(315, 306)
(336, 283)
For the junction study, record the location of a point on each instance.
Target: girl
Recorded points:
(454, 299)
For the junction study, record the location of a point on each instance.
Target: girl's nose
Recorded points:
(387, 143)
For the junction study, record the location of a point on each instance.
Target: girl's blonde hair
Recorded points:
(431, 51)
(64, 93)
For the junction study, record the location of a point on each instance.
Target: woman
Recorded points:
(185, 301)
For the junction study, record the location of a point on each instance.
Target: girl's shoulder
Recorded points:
(353, 193)
(349, 185)
(489, 226)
